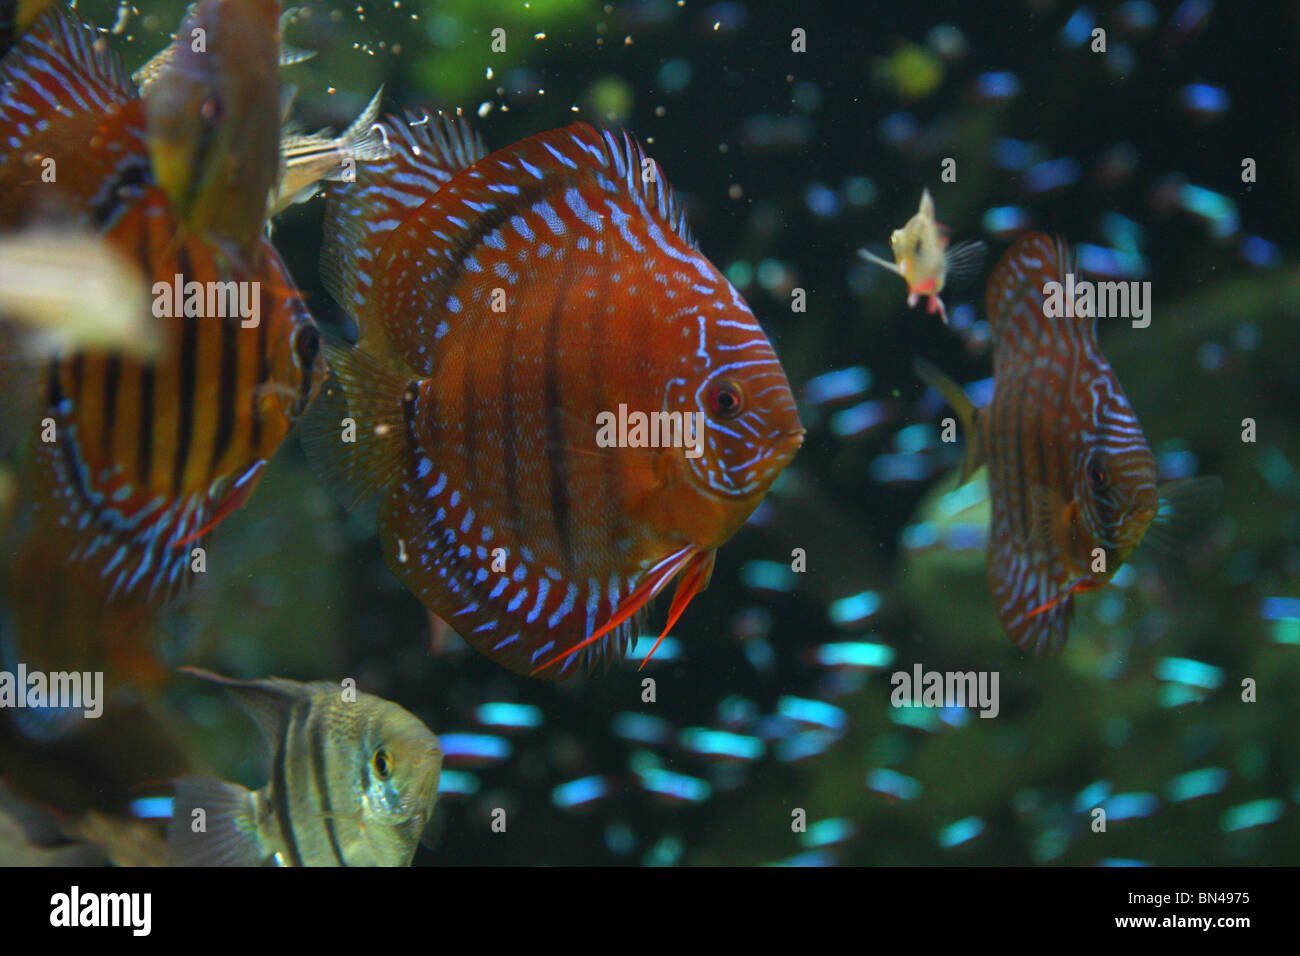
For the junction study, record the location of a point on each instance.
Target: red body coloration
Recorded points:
(148, 456)
(504, 304)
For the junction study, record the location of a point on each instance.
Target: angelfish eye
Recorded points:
(382, 763)
(916, 249)
(726, 399)
(1098, 477)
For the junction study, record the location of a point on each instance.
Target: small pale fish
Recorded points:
(1071, 478)
(72, 289)
(309, 160)
(354, 779)
(507, 305)
(924, 260)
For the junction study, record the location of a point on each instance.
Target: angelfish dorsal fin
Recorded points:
(269, 701)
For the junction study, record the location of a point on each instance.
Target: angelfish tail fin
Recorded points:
(214, 823)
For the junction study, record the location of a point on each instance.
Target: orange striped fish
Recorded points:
(133, 462)
(1071, 478)
(507, 305)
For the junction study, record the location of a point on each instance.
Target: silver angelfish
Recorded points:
(353, 783)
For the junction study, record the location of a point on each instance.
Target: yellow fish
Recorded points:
(923, 259)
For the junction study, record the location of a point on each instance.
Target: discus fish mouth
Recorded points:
(787, 444)
(1144, 512)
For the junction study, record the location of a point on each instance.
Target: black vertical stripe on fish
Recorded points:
(469, 434)
(280, 786)
(618, 527)
(227, 377)
(185, 423)
(1017, 471)
(320, 773)
(78, 374)
(308, 363)
(555, 450)
(508, 431)
(1040, 468)
(428, 420)
(263, 374)
(54, 386)
(145, 449)
(112, 372)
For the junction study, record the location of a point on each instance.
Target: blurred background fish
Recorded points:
(161, 61)
(73, 290)
(16, 16)
(353, 783)
(213, 119)
(1071, 477)
(129, 462)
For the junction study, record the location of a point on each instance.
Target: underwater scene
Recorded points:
(649, 432)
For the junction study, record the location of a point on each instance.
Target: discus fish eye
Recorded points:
(726, 399)
(307, 345)
(1098, 476)
(382, 763)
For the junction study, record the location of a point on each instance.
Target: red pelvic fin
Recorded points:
(652, 585)
(695, 580)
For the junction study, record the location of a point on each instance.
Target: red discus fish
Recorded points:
(507, 305)
(132, 461)
(1071, 478)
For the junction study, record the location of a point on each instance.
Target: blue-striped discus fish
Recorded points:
(353, 783)
(1071, 478)
(510, 308)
